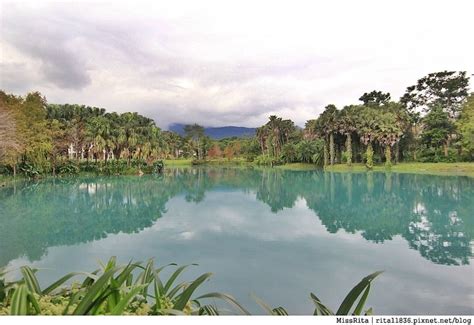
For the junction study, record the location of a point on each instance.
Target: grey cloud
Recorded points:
(15, 77)
(178, 68)
(46, 43)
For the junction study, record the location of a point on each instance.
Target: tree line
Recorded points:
(432, 122)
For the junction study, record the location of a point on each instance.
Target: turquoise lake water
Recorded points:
(276, 234)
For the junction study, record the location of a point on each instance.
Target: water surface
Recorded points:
(277, 234)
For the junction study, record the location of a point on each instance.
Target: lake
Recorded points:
(276, 234)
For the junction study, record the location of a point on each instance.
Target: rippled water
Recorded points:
(277, 234)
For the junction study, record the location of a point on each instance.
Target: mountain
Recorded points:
(218, 133)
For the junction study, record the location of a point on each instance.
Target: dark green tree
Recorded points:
(375, 98)
(445, 89)
(437, 129)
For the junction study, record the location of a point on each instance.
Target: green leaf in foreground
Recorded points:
(352, 296)
(186, 295)
(19, 304)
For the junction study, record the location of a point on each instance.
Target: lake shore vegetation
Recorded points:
(433, 122)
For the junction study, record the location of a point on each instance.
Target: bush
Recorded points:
(344, 157)
(29, 170)
(68, 168)
(139, 289)
(437, 155)
(6, 170)
(265, 160)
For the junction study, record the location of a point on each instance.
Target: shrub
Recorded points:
(68, 168)
(138, 289)
(266, 160)
(437, 155)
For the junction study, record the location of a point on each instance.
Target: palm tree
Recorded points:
(388, 134)
(195, 134)
(325, 126)
(346, 126)
(98, 130)
(367, 123)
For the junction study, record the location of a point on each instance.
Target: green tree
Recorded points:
(195, 134)
(466, 128)
(346, 126)
(375, 98)
(437, 128)
(445, 89)
(326, 126)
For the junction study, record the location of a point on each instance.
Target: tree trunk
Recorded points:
(326, 154)
(388, 156)
(370, 156)
(397, 153)
(349, 149)
(14, 170)
(446, 149)
(331, 148)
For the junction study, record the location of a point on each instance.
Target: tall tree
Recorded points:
(466, 127)
(446, 89)
(195, 134)
(9, 142)
(375, 98)
(326, 126)
(437, 129)
(346, 126)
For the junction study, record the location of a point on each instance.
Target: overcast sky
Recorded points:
(228, 62)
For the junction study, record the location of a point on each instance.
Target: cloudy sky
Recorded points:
(227, 62)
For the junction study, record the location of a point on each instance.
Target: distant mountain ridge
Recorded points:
(218, 133)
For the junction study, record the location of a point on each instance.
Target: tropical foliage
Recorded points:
(139, 289)
(432, 122)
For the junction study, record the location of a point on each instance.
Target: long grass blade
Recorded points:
(90, 280)
(227, 298)
(208, 310)
(34, 303)
(320, 309)
(186, 295)
(88, 300)
(174, 276)
(352, 296)
(122, 304)
(65, 278)
(263, 305)
(30, 279)
(175, 290)
(362, 300)
(279, 311)
(19, 302)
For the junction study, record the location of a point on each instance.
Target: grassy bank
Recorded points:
(448, 169)
(297, 166)
(177, 162)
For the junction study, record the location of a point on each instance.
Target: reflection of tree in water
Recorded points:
(65, 212)
(430, 212)
(276, 190)
(358, 202)
(434, 214)
(444, 229)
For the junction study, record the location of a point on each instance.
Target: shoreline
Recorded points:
(438, 169)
